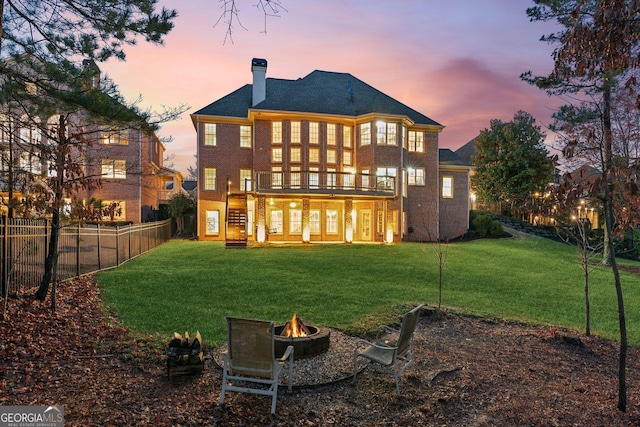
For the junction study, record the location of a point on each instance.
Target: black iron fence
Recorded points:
(82, 249)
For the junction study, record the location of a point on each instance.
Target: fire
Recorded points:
(294, 329)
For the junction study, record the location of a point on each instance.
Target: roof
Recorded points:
(320, 92)
(467, 151)
(449, 158)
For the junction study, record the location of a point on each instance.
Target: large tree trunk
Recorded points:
(52, 256)
(609, 221)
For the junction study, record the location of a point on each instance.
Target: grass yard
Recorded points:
(188, 286)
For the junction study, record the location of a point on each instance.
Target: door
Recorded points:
(365, 225)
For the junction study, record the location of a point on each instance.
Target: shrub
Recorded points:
(486, 226)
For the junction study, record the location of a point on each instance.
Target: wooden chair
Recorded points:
(393, 359)
(249, 362)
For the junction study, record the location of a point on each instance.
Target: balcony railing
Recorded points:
(336, 183)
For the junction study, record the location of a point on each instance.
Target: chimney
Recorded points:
(259, 71)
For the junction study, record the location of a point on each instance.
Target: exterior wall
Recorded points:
(421, 203)
(454, 212)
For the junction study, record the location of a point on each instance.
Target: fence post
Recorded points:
(5, 262)
(129, 234)
(78, 252)
(117, 245)
(99, 248)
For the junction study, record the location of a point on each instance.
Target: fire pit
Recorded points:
(307, 340)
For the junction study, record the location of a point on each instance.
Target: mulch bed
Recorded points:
(470, 372)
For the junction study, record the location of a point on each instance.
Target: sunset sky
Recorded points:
(456, 61)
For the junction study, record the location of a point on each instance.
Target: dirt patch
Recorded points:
(470, 372)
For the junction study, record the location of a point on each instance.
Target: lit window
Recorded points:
(365, 179)
(295, 155)
(346, 158)
(209, 134)
(295, 177)
(385, 178)
(314, 155)
(331, 178)
(332, 221)
(386, 133)
(113, 209)
(29, 131)
(276, 155)
(114, 136)
(447, 187)
(276, 222)
(415, 176)
(365, 134)
(213, 221)
(314, 178)
(210, 179)
(295, 132)
(346, 136)
(276, 132)
(114, 169)
(276, 177)
(331, 134)
(314, 221)
(295, 221)
(246, 177)
(313, 133)
(245, 136)
(331, 156)
(416, 141)
(349, 181)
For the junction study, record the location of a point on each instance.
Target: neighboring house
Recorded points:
(129, 163)
(132, 173)
(454, 175)
(324, 158)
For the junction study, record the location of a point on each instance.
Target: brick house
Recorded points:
(129, 162)
(324, 158)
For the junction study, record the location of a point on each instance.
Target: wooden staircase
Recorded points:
(236, 225)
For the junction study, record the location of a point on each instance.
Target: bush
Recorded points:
(486, 226)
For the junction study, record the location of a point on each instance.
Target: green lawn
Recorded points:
(188, 286)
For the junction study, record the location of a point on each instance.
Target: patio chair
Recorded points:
(394, 358)
(249, 362)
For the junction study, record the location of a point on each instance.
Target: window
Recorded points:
(365, 179)
(29, 131)
(113, 209)
(213, 222)
(415, 176)
(349, 181)
(331, 134)
(385, 178)
(386, 133)
(276, 132)
(276, 177)
(5, 127)
(416, 141)
(346, 158)
(209, 134)
(294, 177)
(114, 169)
(246, 177)
(314, 155)
(30, 163)
(331, 178)
(114, 136)
(245, 136)
(314, 221)
(332, 221)
(346, 136)
(295, 221)
(295, 155)
(365, 134)
(276, 155)
(331, 157)
(314, 178)
(314, 134)
(447, 187)
(210, 179)
(295, 132)
(380, 222)
(276, 222)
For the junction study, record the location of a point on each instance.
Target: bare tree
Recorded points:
(230, 15)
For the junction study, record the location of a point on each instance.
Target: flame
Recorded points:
(294, 329)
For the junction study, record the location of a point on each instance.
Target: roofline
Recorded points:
(444, 166)
(206, 118)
